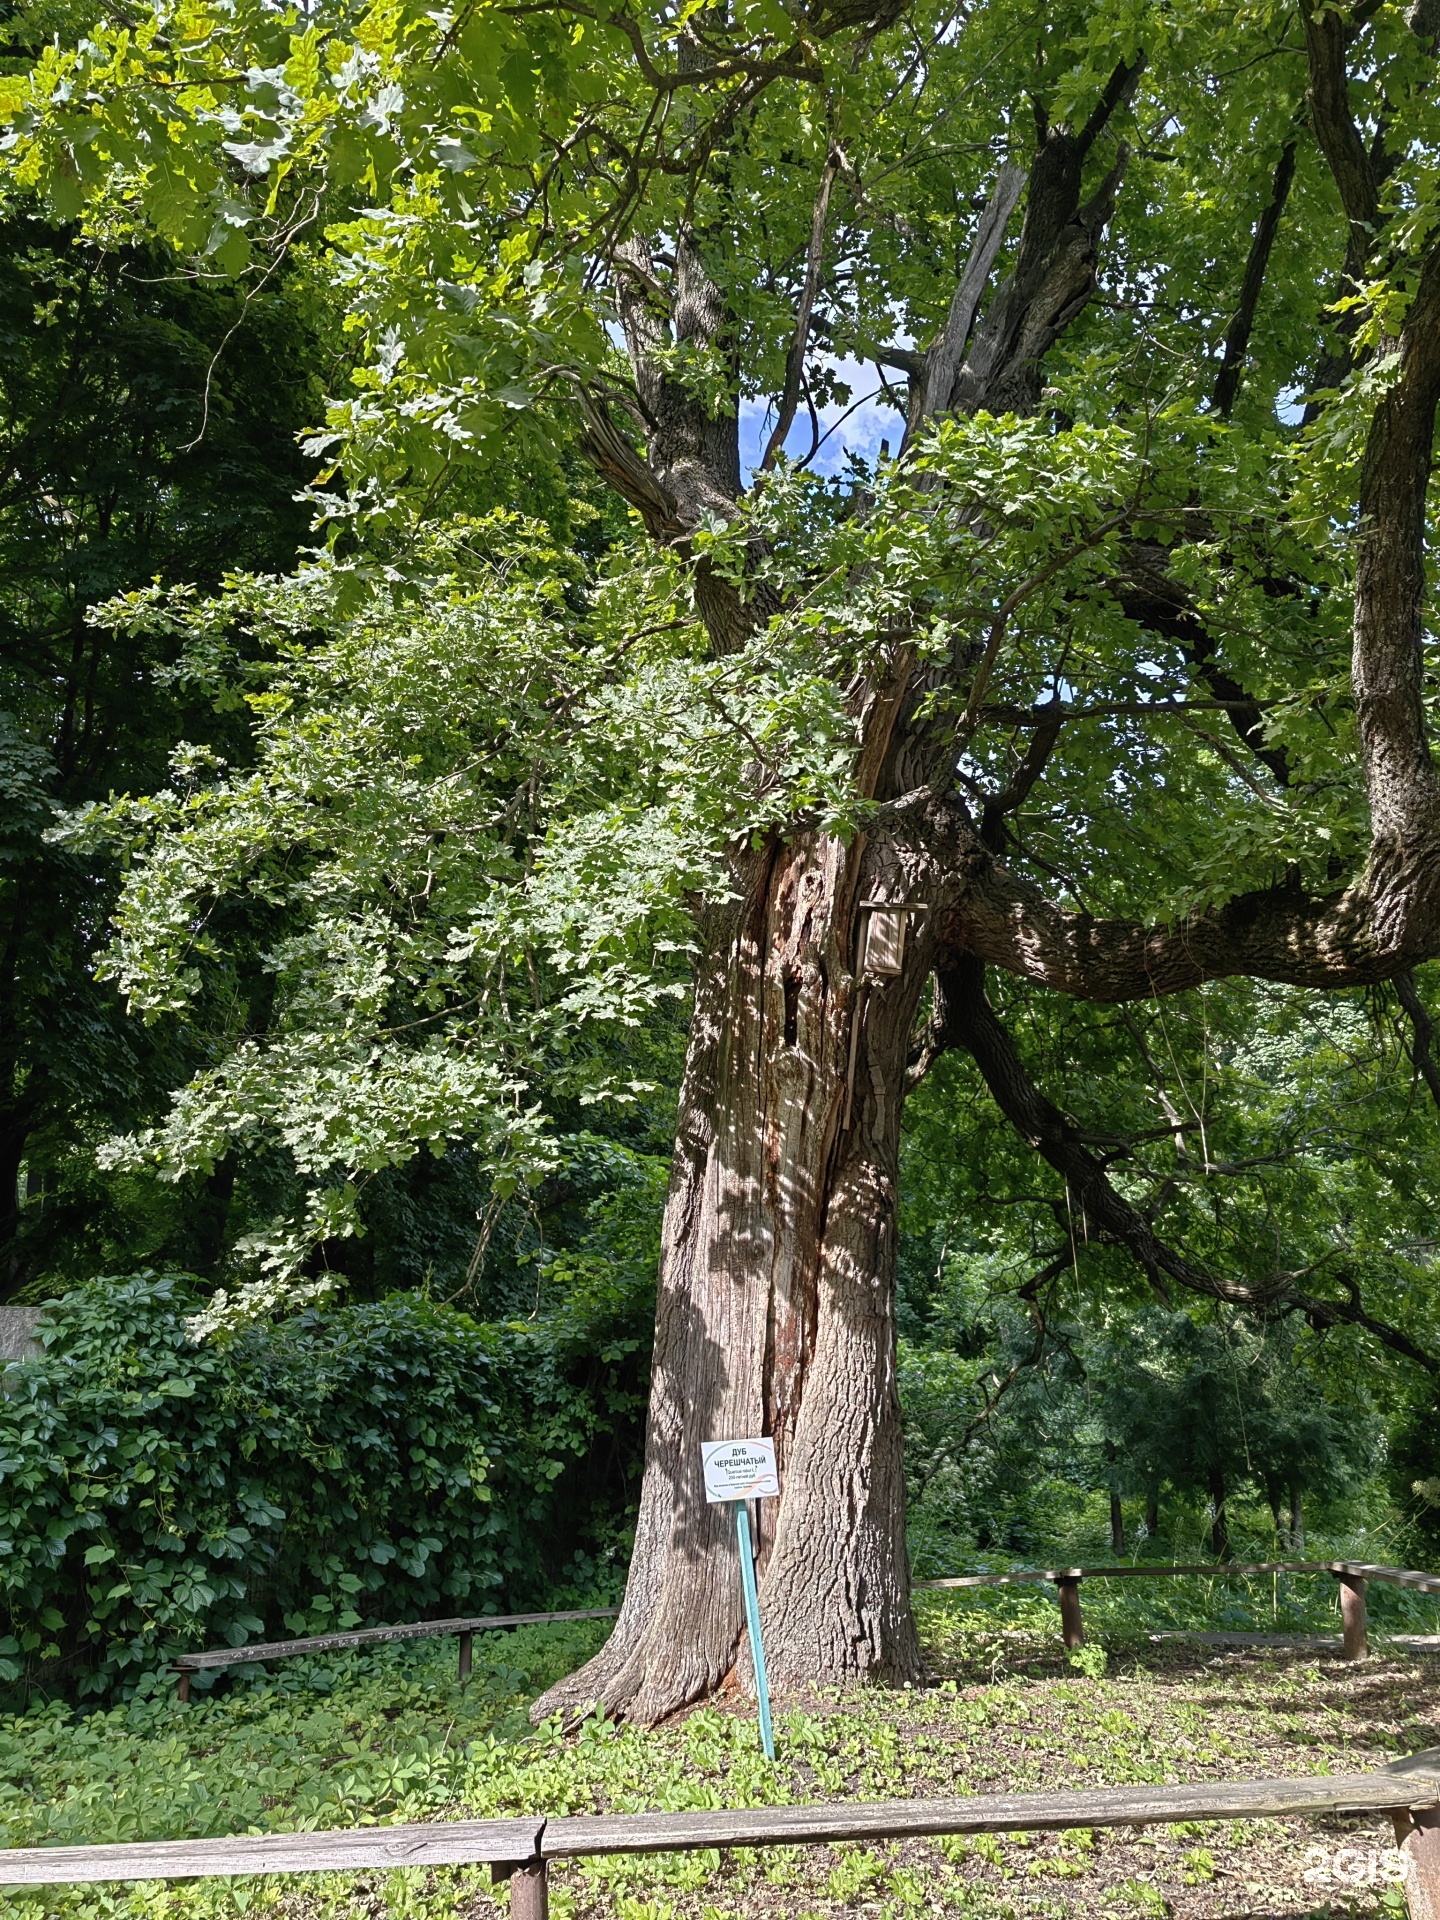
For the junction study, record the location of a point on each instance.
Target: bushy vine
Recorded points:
(376, 1462)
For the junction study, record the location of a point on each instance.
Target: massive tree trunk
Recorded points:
(776, 1305)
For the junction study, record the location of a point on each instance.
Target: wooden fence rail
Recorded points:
(464, 1629)
(520, 1850)
(1352, 1575)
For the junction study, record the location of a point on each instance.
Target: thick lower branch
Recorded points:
(1352, 1313)
(1387, 921)
(965, 1018)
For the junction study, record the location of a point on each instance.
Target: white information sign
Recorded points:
(739, 1470)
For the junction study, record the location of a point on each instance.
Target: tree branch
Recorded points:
(1276, 933)
(1017, 788)
(1422, 1029)
(793, 64)
(621, 467)
(968, 1020)
(1154, 600)
(1237, 337)
(1387, 663)
(814, 264)
(935, 378)
(1029, 1293)
(1388, 919)
(692, 475)
(1352, 1313)
(1326, 38)
(1055, 262)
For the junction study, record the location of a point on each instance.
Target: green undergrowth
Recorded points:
(390, 1736)
(340, 1740)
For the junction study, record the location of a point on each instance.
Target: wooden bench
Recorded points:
(520, 1850)
(187, 1663)
(1352, 1575)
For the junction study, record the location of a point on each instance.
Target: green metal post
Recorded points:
(752, 1622)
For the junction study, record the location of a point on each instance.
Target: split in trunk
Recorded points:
(776, 1304)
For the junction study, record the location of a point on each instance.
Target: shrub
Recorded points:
(387, 1461)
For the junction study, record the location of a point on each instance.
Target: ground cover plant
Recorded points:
(391, 1736)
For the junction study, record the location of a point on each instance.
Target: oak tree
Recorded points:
(1111, 672)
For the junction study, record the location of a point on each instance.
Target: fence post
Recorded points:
(467, 1643)
(1418, 1837)
(529, 1888)
(1071, 1628)
(1352, 1615)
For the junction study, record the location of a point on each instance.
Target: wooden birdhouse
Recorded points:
(882, 953)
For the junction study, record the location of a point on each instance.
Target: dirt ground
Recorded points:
(1012, 1717)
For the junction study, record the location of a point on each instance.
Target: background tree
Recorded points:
(148, 426)
(1207, 1408)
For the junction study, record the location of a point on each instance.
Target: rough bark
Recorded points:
(776, 1308)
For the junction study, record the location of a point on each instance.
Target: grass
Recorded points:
(365, 1738)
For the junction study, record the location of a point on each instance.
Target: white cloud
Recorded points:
(855, 427)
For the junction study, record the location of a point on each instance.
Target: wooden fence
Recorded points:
(1353, 1576)
(464, 1629)
(520, 1851)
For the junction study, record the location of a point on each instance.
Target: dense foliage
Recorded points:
(148, 433)
(1272, 1129)
(390, 1461)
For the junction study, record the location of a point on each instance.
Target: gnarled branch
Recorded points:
(1055, 263)
(933, 378)
(814, 265)
(965, 1018)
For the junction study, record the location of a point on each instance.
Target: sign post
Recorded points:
(736, 1472)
